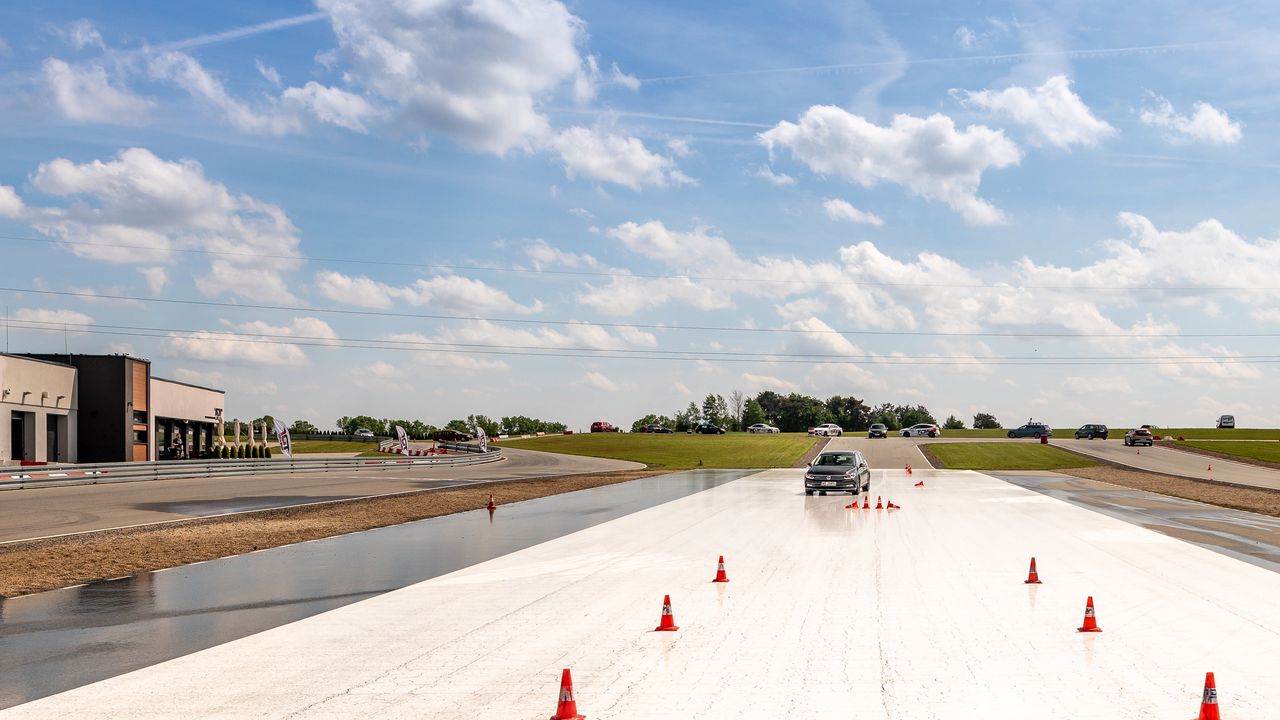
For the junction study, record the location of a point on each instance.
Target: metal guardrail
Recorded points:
(17, 478)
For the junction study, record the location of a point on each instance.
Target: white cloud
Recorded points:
(330, 105)
(11, 206)
(757, 383)
(84, 93)
(251, 343)
(473, 71)
(384, 370)
(1096, 385)
(600, 382)
(630, 82)
(780, 179)
(680, 147)
(446, 292)
(838, 209)
(927, 156)
(1207, 124)
(52, 317)
(544, 255)
(981, 37)
(83, 34)
(136, 208)
(157, 278)
(597, 154)
(268, 73)
(1054, 113)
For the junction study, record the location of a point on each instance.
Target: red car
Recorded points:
(602, 426)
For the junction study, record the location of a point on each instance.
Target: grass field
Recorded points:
(1004, 456)
(331, 446)
(1215, 434)
(1265, 451)
(679, 451)
(998, 433)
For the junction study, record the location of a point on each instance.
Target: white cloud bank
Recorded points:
(1206, 124)
(445, 292)
(85, 94)
(927, 156)
(838, 209)
(1056, 115)
(252, 343)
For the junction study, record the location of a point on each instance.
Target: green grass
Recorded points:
(331, 446)
(997, 433)
(679, 451)
(1005, 456)
(1215, 434)
(1265, 451)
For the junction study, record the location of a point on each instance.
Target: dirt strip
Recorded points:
(38, 565)
(1258, 500)
(1220, 455)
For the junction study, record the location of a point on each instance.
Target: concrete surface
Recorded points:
(58, 640)
(1174, 462)
(830, 613)
(41, 512)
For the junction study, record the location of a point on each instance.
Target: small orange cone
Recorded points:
(668, 623)
(1090, 622)
(879, 505)
(720, 573)
(891, 506)
(1210, 468)
(908, 469)
(920, 484)
(1209, 705)
(1033, 578)
(566, 706)
(866, 502)
(492, 505)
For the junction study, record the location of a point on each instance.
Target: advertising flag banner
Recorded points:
(282, 434)
(404, 440)
(483, 437)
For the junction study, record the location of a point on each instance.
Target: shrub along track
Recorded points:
(36, 565)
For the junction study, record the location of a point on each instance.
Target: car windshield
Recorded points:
(835, 459)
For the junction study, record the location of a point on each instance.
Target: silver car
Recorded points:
(761, 428)
(837, 471)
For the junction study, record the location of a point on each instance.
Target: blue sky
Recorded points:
(1068, 206)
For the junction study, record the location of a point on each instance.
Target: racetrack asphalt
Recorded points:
(44, 512)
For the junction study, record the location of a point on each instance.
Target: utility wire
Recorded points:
(639, 326)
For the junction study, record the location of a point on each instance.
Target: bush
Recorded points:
(266, 453)
(239, 452)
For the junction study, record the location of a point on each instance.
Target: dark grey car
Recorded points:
(837, 471)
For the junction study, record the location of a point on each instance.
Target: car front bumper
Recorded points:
(838, 483)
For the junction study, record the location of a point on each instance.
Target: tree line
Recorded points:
(418, 430)
(795, 412)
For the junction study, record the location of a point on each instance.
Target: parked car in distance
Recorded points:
(449, 436)
(837, 471)
(602, 426)
(878, 430)
(1139, 436)
(708, 429)
(658, 429)
(759, 428)
(922, 430)
(363, 433)
(1089, 432)
(827, 430)
(1227, 422)
(1034, 430)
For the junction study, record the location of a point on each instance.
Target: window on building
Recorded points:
(139, 437)
(139, 417)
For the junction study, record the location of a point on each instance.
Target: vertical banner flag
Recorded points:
(282, 434)
(484, 439)
(404, 440)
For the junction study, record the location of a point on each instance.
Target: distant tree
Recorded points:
(985, 421)
(688, 418)
(477, 422)
(351, 424)
(458, 425)
(909, 415)
(652, 419)
(886, 414)
(715, 410)
(302, 427)
(771, 403)
(953, 423)
(343, 423)
(752, 413)
(849, 413)
(737, 403)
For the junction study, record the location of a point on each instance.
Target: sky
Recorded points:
(593, 211)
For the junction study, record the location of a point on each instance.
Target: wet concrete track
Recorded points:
(54, 641)
(1246, 536)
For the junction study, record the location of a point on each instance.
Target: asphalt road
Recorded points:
(891, 453)
(42, 512)
(1175, 462)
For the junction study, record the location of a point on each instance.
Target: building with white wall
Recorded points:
(184, 419)
(38, 410)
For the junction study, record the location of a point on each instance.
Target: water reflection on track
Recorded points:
(57, 640)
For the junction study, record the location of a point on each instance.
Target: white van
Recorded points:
(1226, 421)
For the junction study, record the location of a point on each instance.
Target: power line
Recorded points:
(339, 343)
(454, 267)
(636, 326)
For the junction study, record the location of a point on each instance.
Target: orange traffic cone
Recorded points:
(492, 505)
(566, 707)
(920, 484)
(879, 505)
(720, 573)
(1090, 622)
(891, 506)
(1209, 705)
(1210, 468)
(1033, 578)
(908, 469)
(668, 623)
(866, 502)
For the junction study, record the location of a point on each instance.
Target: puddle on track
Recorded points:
(1251, 537)
(62, 639)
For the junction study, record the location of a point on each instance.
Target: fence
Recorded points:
(16, 478)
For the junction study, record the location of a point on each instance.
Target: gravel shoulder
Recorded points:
(38, 565)
(1258, 500)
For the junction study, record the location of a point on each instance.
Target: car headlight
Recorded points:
(810, 476)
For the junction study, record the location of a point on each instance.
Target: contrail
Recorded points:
(240, 32)
(1100, 52)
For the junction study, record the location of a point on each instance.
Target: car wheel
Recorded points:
(1011, 435)
(823, 493)
(933, 434)
(808, 492)
(906, 434)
